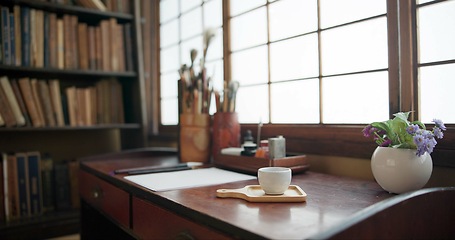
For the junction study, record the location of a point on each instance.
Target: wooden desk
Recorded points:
(110, 203)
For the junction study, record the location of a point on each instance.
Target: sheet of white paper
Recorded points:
(185, 179)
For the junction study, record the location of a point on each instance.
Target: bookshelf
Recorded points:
(82, 69)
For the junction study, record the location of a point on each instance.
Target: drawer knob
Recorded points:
(97, 193)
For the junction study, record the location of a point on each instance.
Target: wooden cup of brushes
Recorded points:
(194, 139)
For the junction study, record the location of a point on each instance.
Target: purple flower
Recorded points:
(439, 124)
(386, 143)
(427, 134)
(421, 150)
(430, 144)
(412, 129)
(367, 131)
(438, 132)
(419, 140)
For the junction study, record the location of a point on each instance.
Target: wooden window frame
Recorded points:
(339, 139)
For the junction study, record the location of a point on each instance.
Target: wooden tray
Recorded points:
(250, 165)
(254, 193)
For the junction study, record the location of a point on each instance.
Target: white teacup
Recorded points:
(274, 180)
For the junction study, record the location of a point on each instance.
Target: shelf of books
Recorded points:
(69, 87)
(38, 43)
(36, 189)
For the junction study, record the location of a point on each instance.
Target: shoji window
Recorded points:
(309, 61)
(436, 59)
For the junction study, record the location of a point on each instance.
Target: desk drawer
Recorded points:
(105, 197)
(151, 221)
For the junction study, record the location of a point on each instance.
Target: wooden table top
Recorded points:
(330, 200)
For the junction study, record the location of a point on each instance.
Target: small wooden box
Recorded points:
(251, 165)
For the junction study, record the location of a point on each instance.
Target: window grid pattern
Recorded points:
(304, 55)
(436, 59)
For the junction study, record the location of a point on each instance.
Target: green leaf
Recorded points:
(402, 115)
(382, 125)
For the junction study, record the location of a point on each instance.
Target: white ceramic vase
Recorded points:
(400, 170)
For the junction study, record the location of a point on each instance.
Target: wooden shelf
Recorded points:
(56, 73)
(82, 12)
(69, 128)
(49, 225)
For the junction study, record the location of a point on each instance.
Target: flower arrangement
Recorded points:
(401, 133)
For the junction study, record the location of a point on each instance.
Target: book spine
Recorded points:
(27, 94)
(4, 211)
(47, 169)
(20, 100)
(105, 45)
(13, 189)
(71, 99)
(5, 35)
(99, 48)
(128, 47)
(17, 35)
(36, 98)
(92, 48)
(73, 168)
(33, 38)
(62, 187)
(45, 98)
(67, 41)
(23, 184)
(60, 44)
(56, 99)
(46, 47)
(39, 38)
(74, 41)
(1, 37)
(25, 38)
(20, 120)
(12, 39)
(34, 174)
(83, 46)
(53, 50)
(5, 109)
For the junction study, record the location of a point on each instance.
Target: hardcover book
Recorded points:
(23, 184)
(12, 196)
(37, 100)
(4, 14)
(6, 110)
(47, 178)
(11, 98)
(83, 46)
(17, 35)
(27, 94)
(12, 44)
(3, 187)
(56, 99)
(45, 98)
(20, 101)
(25, 37)
(34, 178)
(62, 186)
